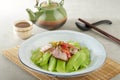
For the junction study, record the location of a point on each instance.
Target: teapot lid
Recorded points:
(45, 5)
(49, 6)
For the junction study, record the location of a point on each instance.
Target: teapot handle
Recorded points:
(37, 2)
(61, 2)
(37, 5)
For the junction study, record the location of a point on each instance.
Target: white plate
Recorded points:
(97, 50)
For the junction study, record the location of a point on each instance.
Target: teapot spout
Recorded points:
(31, 15)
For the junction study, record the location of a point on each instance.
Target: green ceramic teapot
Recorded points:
(49, 15)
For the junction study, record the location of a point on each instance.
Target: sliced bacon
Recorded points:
(67, 53)
(57, 53)
(74, 50)
(46, 47)
(60, 50)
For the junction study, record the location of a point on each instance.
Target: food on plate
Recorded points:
(61, 56)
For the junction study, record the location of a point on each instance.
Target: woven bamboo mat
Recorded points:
(109, 70)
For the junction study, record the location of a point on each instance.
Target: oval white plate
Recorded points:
(97, 50)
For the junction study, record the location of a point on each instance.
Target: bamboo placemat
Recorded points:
(109, 70)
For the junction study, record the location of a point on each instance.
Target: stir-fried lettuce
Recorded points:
(61, 56)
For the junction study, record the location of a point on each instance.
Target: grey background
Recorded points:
(90, 10)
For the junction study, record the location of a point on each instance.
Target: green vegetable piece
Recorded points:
(52, 64)
(60, 66)
(38, 62)
(86, 50)
(82, 58)
(76, 44)
(87, 62)
(45, 58)
(36, 55)
(45, 67)
(72, 60)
